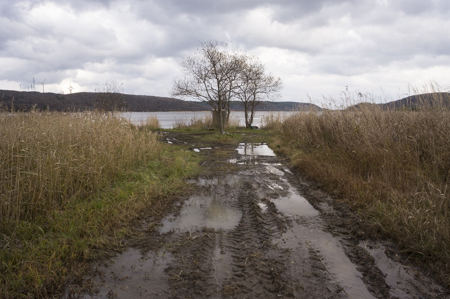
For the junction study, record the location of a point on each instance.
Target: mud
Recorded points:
(255, 229)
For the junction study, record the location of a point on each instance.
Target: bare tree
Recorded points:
(111, 99)
(254, 86)
(211, 75)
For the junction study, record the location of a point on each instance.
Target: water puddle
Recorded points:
(222, 264)
(401, 279)
(203, 211)
(231, 180)
(132, 275)
(274, 186)
(255, 149)
(263, 207)
(294, 204)
(273, 170)
(331, 255)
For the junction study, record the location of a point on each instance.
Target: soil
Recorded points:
(254, 228)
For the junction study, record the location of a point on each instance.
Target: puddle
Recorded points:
(294, 204)
(132, 275)
(273, 186)
(255, 149)
(222, 265)
(203, 211)
(273, 170)
(232, 180)
(309, 232)
(196, 150)
(262, 206)
(401, 279)
(331, 254)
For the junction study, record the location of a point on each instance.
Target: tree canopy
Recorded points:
(216, 75)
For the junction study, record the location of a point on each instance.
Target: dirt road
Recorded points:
(254, 229)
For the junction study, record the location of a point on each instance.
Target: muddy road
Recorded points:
(254, 229)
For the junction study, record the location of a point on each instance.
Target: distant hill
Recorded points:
(138, 103)
(86, 101)
(414, 102)
(436, 99)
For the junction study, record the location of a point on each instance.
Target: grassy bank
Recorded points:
(70, 186)
(393, 167)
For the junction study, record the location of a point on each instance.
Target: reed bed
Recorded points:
(393, 166)
(46, 159)
(152, 123)
(194, 123)
(70, 185)
(273, 121)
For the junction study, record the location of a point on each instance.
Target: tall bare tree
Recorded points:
(255, 86)
(211, 76)
(111, 99)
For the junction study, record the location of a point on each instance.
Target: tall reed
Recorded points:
(204, 122)
(47, 159)
(391, 165)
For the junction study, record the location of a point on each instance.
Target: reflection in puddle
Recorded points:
(222, 265)
(254, 149)
(132, 275)
(262, 206)
(273, 186)
(232, 180)
(203, 211)
(294, 204)
(273, 170)
(330, 251)
(400, 278)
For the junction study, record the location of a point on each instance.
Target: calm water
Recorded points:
(167, 120)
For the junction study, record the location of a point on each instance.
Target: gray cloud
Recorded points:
(317, 47)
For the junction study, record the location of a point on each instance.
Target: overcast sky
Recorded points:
(316, 47)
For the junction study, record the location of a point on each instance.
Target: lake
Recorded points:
(167, 120)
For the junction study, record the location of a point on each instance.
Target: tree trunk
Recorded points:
(251, 114)
(247, 122)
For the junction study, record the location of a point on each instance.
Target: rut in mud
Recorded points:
(251, 233)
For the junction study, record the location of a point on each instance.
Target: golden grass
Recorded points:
(152, 122)
(194, 123)
(273, 121)
(393, 166)
(70, 184)
(46, 158)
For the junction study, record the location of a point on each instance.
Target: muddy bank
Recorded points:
(251, 229)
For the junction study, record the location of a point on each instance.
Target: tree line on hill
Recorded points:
(82, 101)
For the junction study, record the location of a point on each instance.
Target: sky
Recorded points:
(320, 49)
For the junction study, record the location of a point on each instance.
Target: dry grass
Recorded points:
(152, 123)
(194, 123)
(393, 166)
(70, 184)
(273, 121)
(46, 159)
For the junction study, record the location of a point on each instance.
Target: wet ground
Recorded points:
(254, 229)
